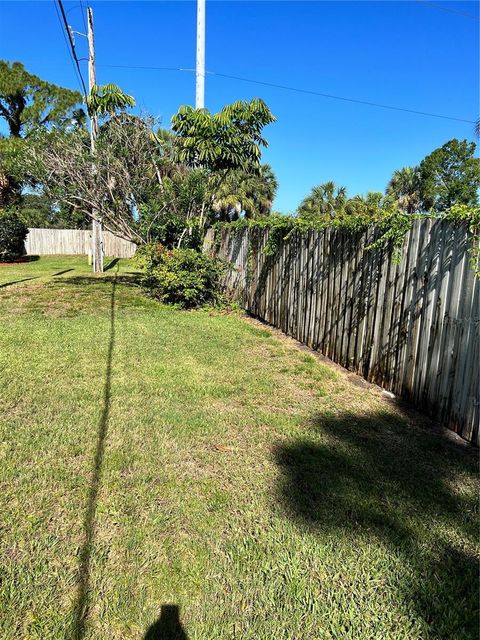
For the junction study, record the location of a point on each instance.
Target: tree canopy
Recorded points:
(27, 102)
(450, 175)
(251, 194)
(107, 99)
(224, 141)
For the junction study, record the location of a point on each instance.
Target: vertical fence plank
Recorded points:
(412, 327)
(74, 242)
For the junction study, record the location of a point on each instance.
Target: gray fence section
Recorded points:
(412, 327)
(44, 242)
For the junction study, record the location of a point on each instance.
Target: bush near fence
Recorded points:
(410, 326)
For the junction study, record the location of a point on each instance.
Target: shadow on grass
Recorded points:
(125, 279)
(60, 273)
(168, 625)
(111, 264)
(9, 284)
(380, 480)
(81, 608)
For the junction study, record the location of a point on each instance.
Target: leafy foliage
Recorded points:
(224, 141)
(450, 175)
(460, 213)
(107, 99)
(140, 188)
(405, 187)
(182, 277)
(36, 210)
(326, 201)
(250, 194)
(11, 170)
(28, 104)
(13, 232)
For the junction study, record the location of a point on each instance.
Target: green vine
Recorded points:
(471, 217)
(393, 225)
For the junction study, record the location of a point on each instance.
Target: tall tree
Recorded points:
(224, 141)
(220, 143)
(27, 104)
(450, 175)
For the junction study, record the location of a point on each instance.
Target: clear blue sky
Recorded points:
(407, 54)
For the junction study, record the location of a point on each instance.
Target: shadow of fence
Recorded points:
(378, 476)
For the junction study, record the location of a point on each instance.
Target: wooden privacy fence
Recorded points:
(77, 242)
(412, 327)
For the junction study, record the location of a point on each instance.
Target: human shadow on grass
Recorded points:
(381, 480)
(82, 602)
(168, 625)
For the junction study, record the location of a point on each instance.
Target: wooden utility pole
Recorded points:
(200, 68)
(97, 232)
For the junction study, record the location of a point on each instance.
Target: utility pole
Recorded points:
(200, 69)
(97, 232)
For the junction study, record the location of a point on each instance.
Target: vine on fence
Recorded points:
(393, 225)
(470, 216)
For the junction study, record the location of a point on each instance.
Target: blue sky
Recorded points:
(411, 54)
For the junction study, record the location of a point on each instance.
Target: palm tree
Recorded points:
(326, 200)
(404, 186)
(249, 193)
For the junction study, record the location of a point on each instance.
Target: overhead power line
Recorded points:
(84, 13)
(439, 7)
(343, 98)
(71, 44)
(299, 90)
(67, 45)
(147, 68)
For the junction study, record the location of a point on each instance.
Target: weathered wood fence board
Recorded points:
(75, 242)
(412, 327)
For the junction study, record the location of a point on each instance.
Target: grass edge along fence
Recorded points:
(409, 325)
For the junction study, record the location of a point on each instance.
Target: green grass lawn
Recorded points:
(154, 457)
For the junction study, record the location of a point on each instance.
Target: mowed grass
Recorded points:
(154, 457)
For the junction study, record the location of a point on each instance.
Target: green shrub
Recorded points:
(183, 277)
(13, 232)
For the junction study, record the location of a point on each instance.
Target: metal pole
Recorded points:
(97, 233)
(200, 68)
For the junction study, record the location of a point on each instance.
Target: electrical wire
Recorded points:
(72, 45)
(84, 13)
(334, 97)
(68, 47)
(124, 66)
(299, 90)
(438, 7)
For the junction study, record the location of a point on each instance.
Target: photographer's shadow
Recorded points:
(168, 625)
